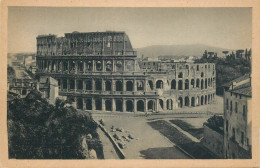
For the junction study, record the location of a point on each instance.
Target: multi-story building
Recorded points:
(237, 118)
(100, 71)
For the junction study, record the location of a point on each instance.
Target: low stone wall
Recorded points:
(120, 153)
(214, 141)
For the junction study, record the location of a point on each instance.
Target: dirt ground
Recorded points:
(150, 143)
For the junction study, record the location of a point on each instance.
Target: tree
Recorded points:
(37, 129)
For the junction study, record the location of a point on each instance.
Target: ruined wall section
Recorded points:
(97, 43)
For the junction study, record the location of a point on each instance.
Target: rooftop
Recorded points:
(237, 80)
(244, 89)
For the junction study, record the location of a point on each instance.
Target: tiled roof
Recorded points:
(244, 77)
(244, 89)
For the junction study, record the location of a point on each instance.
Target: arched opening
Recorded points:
(89, 66)
(119, 66)
(161, 103)
(79, 85)
(202, 74)
(79, 103)
(180, 75)
(202, 100)
(169, 104)
(24, 92)
(98, 103)
(186, 84)
(108, 105)
(180, 102)
(72, 66)
(80, 66)
(140, 85)
(72, 84)
(109, 67)
(108, 85)
(150, 84)
(206, 84)
(209, 101)
(129, 106)
(119, 105)
(64, 84)
(159, 84)
(209, 82)
(88, 104)
(206, 99)
(173, 84)
(151, 105)
(88, 84)
(202, 84)
(187, 101)
(180, 85)
(192, 82)
(129, 86)
(197, 83)
(140, 105)
(98, 66)
(119, 86)
(193, 101)
(98, 84)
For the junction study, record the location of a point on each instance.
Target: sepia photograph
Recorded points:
(119, 83)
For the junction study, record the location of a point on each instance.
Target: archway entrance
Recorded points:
(129, 86)
(140, 105)
(151, 105)
(108, 104)
(88, 104)
(98, 103)
(129, 106)
(119, 86)
(201, 100)
(187, 101)
(193, 101)
(119, 105)
(180, 102)
(79, 103)
(159, 84)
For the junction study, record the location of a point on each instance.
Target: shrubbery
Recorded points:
(37, 129)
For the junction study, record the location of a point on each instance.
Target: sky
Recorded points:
(229, 28)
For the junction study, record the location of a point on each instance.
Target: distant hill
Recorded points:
(178, 50)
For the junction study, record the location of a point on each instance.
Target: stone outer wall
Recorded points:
(111, 81)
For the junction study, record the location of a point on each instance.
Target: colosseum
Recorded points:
(101, 71)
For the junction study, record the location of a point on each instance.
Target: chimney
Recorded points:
(233, 85)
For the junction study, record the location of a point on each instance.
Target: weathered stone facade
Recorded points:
(238, 119)
(100, 71)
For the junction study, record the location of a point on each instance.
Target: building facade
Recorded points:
(237, 118)
(100, 71)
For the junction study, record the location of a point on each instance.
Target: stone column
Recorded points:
(93, 85)
(124, 85)
(145, 106)
(103, 66)
(84, 84)
(76, 67)
(135, 105)
(84, 67)
(68, 84)
(124, 105)
(93, 104)
(61, 84)
(124, 62)
(94, 66)
(113, 104)
(103, 107)
(135, 88)
(145, 85)
(84, 103)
